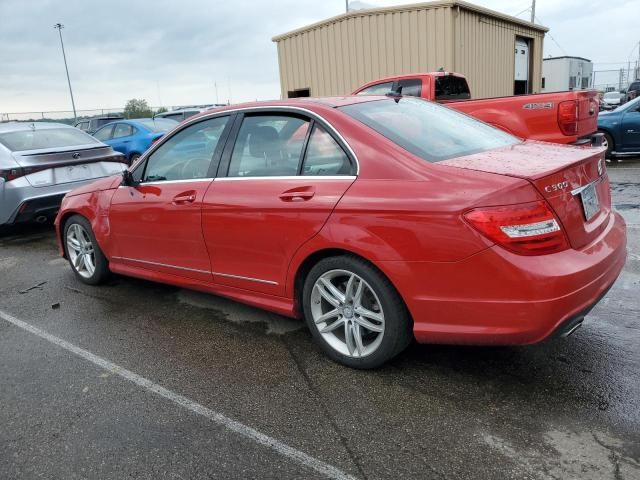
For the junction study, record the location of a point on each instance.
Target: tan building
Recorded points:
(335, 56)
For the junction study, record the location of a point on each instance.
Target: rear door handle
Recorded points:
(298, 194)
(184, 198)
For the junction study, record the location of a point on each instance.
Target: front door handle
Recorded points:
(299, 194)
(184, 198)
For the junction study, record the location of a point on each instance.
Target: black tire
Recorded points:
(398, 326)
(133, 158)
(610, 147)
(101, 272)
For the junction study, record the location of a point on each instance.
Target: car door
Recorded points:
(157, 224)
(280, 177)
(630, 129)
(122, 137)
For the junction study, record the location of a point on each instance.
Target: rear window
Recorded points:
(428, 130)
(450, 87)
(45, 138)
(159, 124)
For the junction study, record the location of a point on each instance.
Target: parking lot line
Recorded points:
(283, 449)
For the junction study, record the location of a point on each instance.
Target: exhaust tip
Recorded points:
(41, 219)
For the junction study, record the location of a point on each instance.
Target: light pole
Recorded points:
(60, 26)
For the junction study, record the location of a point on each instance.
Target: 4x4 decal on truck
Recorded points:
(538, 106)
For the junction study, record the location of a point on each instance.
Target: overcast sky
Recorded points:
(173, 52)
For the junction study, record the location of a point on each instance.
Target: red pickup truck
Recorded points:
(560, 117)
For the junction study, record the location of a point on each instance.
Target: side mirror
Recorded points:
(128, 180)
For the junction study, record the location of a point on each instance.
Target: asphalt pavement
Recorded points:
(146, 381)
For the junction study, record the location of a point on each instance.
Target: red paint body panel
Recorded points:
(401, 213)
(533, 117)
(161, 223)
(252, 232)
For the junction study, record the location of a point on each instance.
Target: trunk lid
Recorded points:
(569, 178)
(69, 164)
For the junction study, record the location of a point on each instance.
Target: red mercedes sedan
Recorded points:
(377, 219)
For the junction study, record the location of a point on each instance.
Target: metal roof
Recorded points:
(567, 56)
(409, 8)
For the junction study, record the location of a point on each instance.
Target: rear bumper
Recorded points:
(22, 202)
(593, 140)
(498, 298)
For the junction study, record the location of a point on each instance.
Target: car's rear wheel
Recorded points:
(85, 257)
(607, 142)
(354, 313)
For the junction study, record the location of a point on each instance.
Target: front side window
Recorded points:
(379, 89)
(428, 130)
(104, 133)
(122, 130)
(268, 145)
(187, 154)
(324, 156)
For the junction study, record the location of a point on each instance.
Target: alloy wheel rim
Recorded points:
(80, 250)
(347, 313)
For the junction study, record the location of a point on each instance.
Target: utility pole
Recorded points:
(60, 26)
(346, 5)
(533, 11)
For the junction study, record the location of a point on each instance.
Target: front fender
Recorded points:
(94, 206)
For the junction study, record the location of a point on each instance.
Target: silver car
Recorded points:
(40, 162)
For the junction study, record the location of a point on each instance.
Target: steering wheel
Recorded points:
(195, 167)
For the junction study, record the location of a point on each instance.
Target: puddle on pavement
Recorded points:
(576, 455)
(238, 313)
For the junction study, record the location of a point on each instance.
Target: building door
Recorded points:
(521, 73)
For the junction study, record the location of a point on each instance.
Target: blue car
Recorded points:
(621, 128)
(133, 137)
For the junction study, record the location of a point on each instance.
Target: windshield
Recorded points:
(612, 95)
(632, 104)
(45, 138)
(430, 131)
(158, 124)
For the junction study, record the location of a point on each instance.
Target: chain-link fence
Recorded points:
(66, 116)
(614, 80)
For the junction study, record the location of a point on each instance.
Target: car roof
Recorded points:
(22, 126)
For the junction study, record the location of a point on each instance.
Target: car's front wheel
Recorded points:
(84, 255)
(354, 312)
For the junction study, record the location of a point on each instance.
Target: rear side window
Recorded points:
(122, 130)
(428, 130)
(450, 87)
(324, 156)
(268, 145)
(45, 138)
(379, 89)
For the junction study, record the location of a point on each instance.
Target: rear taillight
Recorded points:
(526, 228)
(568, 117)
(12, 173)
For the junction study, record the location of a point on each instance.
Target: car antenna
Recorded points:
(395, 94)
